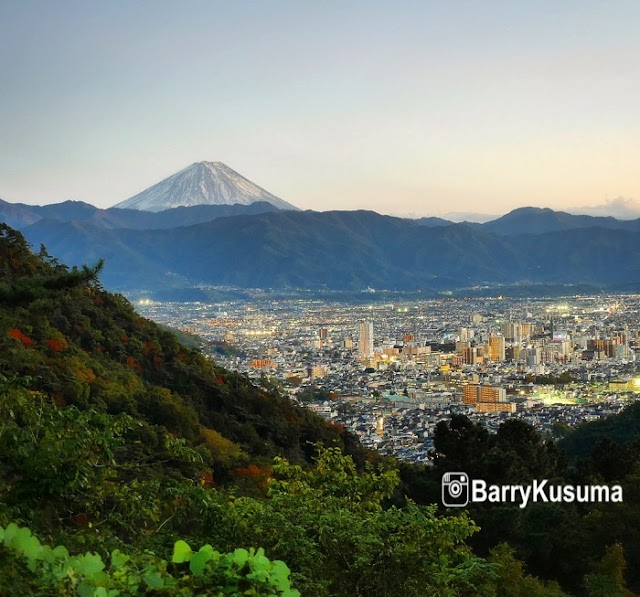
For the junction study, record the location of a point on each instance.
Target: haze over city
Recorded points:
(415, 108)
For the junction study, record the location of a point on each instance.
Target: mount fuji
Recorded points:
(202, 183)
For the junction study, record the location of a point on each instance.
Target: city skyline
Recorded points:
(416, 109)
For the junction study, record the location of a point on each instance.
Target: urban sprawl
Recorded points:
(389, 372)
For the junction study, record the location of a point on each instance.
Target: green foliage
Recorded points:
(329, 524)
(621, 429)
(334, 477)
(56, 572)
(511, 579)
(187, 339)
(561, 542)
(607, 580)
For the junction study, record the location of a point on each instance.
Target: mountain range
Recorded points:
(19, 215)
(207, 225)
(538, 220)
(342, 250)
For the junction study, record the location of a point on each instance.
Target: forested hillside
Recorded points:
(560, 541)
(86, 347)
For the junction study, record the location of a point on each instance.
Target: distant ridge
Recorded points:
(260, 246)
(342, 251)
(19, 215)
(538, 220)
(202, 183)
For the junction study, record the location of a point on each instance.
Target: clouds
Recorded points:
(623, 208)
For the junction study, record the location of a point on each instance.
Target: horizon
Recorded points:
(417, 109)
(453, 217)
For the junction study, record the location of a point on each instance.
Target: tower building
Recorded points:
(365, 348)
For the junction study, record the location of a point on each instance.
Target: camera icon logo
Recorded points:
(455, 490)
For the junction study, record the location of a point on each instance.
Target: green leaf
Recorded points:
(118, 558)
(199, 561)
(89, 565)
(240, 557)
(9, 533)
(260, 563)
(26, 543)
(86, 590)
(181, 552)
(61, 552)
(153, 580)
(279, 575)
(47, 554)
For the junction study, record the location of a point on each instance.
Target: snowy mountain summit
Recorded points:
(203, 183)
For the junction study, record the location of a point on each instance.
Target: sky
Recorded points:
(410, 108)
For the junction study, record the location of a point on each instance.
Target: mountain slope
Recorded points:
(18, 215)
(84, 346)
(337, 250)
(202, 183)
(342, 251)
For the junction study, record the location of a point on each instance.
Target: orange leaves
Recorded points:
(252, 471)
(253, 478)
(57, 345)
(134, 364)
(16, 334)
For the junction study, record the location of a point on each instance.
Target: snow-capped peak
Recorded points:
(202, 183)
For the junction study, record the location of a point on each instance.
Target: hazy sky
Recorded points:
(423, 108)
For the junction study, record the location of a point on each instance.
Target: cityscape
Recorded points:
(389, 372)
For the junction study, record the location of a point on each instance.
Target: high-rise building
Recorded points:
(365, 348)
(512, 331)
(496, 348)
